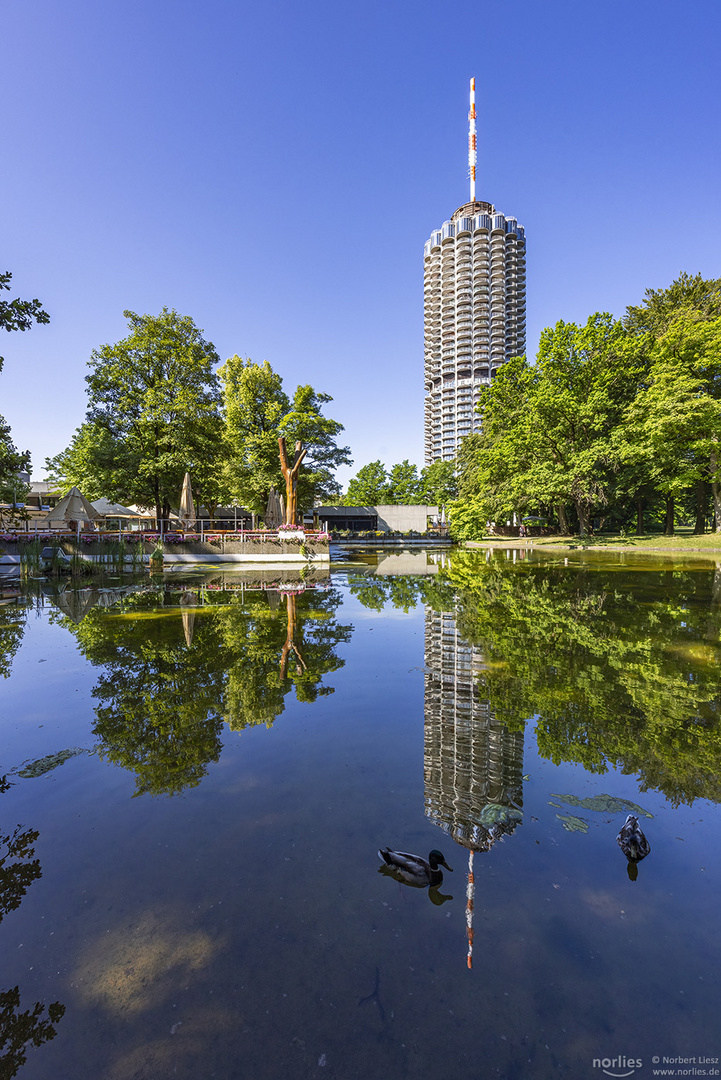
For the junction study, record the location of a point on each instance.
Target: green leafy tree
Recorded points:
(306, 423)
(257, 413)
(19, 314)
(404, 484)
(660, 307)
(153, 414)
(673, 428)
(369, 487)
(546, 428)
(15, 315)
(13, 463)
(438, 483)
(670, 325)
(92, 462)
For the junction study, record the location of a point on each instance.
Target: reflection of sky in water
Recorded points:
(241, 926)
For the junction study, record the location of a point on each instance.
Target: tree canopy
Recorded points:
(19, 314)
(401, 485)
(616, 418)
(153, 415)
(257, 413)
(15, 315)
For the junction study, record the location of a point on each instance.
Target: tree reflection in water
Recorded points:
(18, 868)
(177, 664)
(620, 670)
(20, 1029)
(12, 626)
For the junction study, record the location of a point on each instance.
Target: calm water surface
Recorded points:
(198, 773)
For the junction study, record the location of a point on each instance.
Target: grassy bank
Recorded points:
(682, 543)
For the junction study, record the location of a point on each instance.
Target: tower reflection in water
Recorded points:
(473, 764)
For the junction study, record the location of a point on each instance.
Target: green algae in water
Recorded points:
(571, 823)
(497, 814)
(46, 764)
(603, 804)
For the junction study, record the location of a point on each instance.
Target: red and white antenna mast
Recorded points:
(472, 141)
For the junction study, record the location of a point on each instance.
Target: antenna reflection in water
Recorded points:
(473, 764)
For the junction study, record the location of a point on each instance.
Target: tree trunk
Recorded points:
(639, 515)
(290, 645)
(583, 516)
(670, 516)
(700, 526)
(562, 520)
(715, 491)
(290, 472)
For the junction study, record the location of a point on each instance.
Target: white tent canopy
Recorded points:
(105, 508)
(72, 507)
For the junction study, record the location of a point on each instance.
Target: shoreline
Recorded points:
(674, 546)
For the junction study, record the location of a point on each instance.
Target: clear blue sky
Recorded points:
(273, 170)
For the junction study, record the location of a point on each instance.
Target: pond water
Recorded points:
(199, 771)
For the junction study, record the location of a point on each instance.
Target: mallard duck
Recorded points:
(632, 841)
(412, 869)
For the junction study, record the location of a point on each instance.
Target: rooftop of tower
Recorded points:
(469, 209)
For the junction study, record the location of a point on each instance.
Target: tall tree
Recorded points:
(369, 487)
(673, 426)
(667, 326)
(94, 462)
(15, 315)
(404, 483)
(438, 483)
(13, 463)
(660, 307)
(257, 413)
(19, 314)
(546, 429)
(155, 396)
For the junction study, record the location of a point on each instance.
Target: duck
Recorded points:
(412, 869)
(632, 841)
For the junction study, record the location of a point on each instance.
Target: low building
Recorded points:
(377, 518)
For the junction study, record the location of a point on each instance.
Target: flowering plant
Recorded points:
(26, 538)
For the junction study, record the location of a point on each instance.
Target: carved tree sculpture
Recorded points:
(290, 472)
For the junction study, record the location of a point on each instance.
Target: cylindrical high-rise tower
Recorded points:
(474, 314)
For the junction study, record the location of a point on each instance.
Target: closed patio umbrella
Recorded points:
(186, 510)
